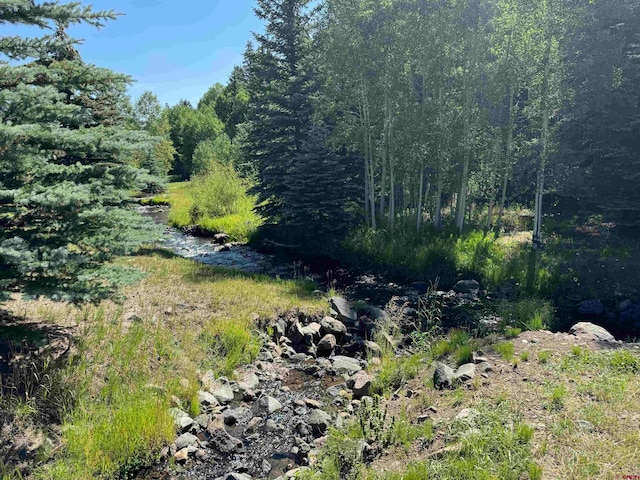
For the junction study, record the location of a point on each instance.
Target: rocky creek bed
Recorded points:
(274, 416)
(271, 419)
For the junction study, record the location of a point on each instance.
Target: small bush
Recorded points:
(512, 332)
(556, 397)
(524, 356)
(544, 356)
(528, 313)
(395, 372)
(624, 361)
(464, 355)
(231, 344)
(505, 350)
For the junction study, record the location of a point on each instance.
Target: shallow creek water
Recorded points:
(266, 453)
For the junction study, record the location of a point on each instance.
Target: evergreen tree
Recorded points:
(65, 161)
(302, 187)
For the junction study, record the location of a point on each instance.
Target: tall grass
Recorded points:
(430, 253)
(122, 376)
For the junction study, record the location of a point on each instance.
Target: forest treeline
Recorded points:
(416, 114)
(378, 111)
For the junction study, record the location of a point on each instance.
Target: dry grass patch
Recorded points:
(582, 404)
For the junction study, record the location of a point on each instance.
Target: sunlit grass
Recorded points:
(123, 375)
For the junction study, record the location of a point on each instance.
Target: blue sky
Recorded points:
(175, 48)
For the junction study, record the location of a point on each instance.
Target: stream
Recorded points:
(239, 438)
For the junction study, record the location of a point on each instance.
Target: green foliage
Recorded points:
(302, 184)
(396, 371)
(493, 443)
(66, 166)
(527, 313)
(231, 344)
(463, 355)
(505, 350)
(512, 332)
(544, 356)
(189, 127)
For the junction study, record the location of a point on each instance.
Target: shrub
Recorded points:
(505, 350)
(544, 356)
(218, 193)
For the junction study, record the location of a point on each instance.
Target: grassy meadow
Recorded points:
(115, 388)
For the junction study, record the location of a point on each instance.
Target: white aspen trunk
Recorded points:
(437, 213)
(462, 195)
(369, 148)
(508, 162)
(492, 187)
(537, 219)
(419, 204)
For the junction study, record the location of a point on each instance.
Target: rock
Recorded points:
(221, 389)
(296, 333)
(467, 286)
(202, 420)
(298, 357)
(586, 425)
(131, 317)
(485, 367)
(207, 399)
(271, 426)
(186, 440)
(327, 344)
(479, 357)
(591, 308)
(219, 439)
(311, 403)
(466, 413)
(313, 330)
(181, 419)
(235, 476)
(465, 372)
(181, 456)
(346, 314)
(443, 376)
(372, 349)
(361, 384)
(343, 364)
(249, 381)
(334, 327)
(377, 314)
(221, 238)
(320, 421)
(594, 331)
(237, 415)
(265, 466)
(268, 404)
(420, 287)
(225, 248)
(254, 424)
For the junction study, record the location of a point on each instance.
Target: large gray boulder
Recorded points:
(332, 326)
(465, 372)
(221, 389)
(343, 309)
(591, 330)
(327, 344)
(320, 421)
(343, 364)
(360, 384)
(443, 376)
(467, 286)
